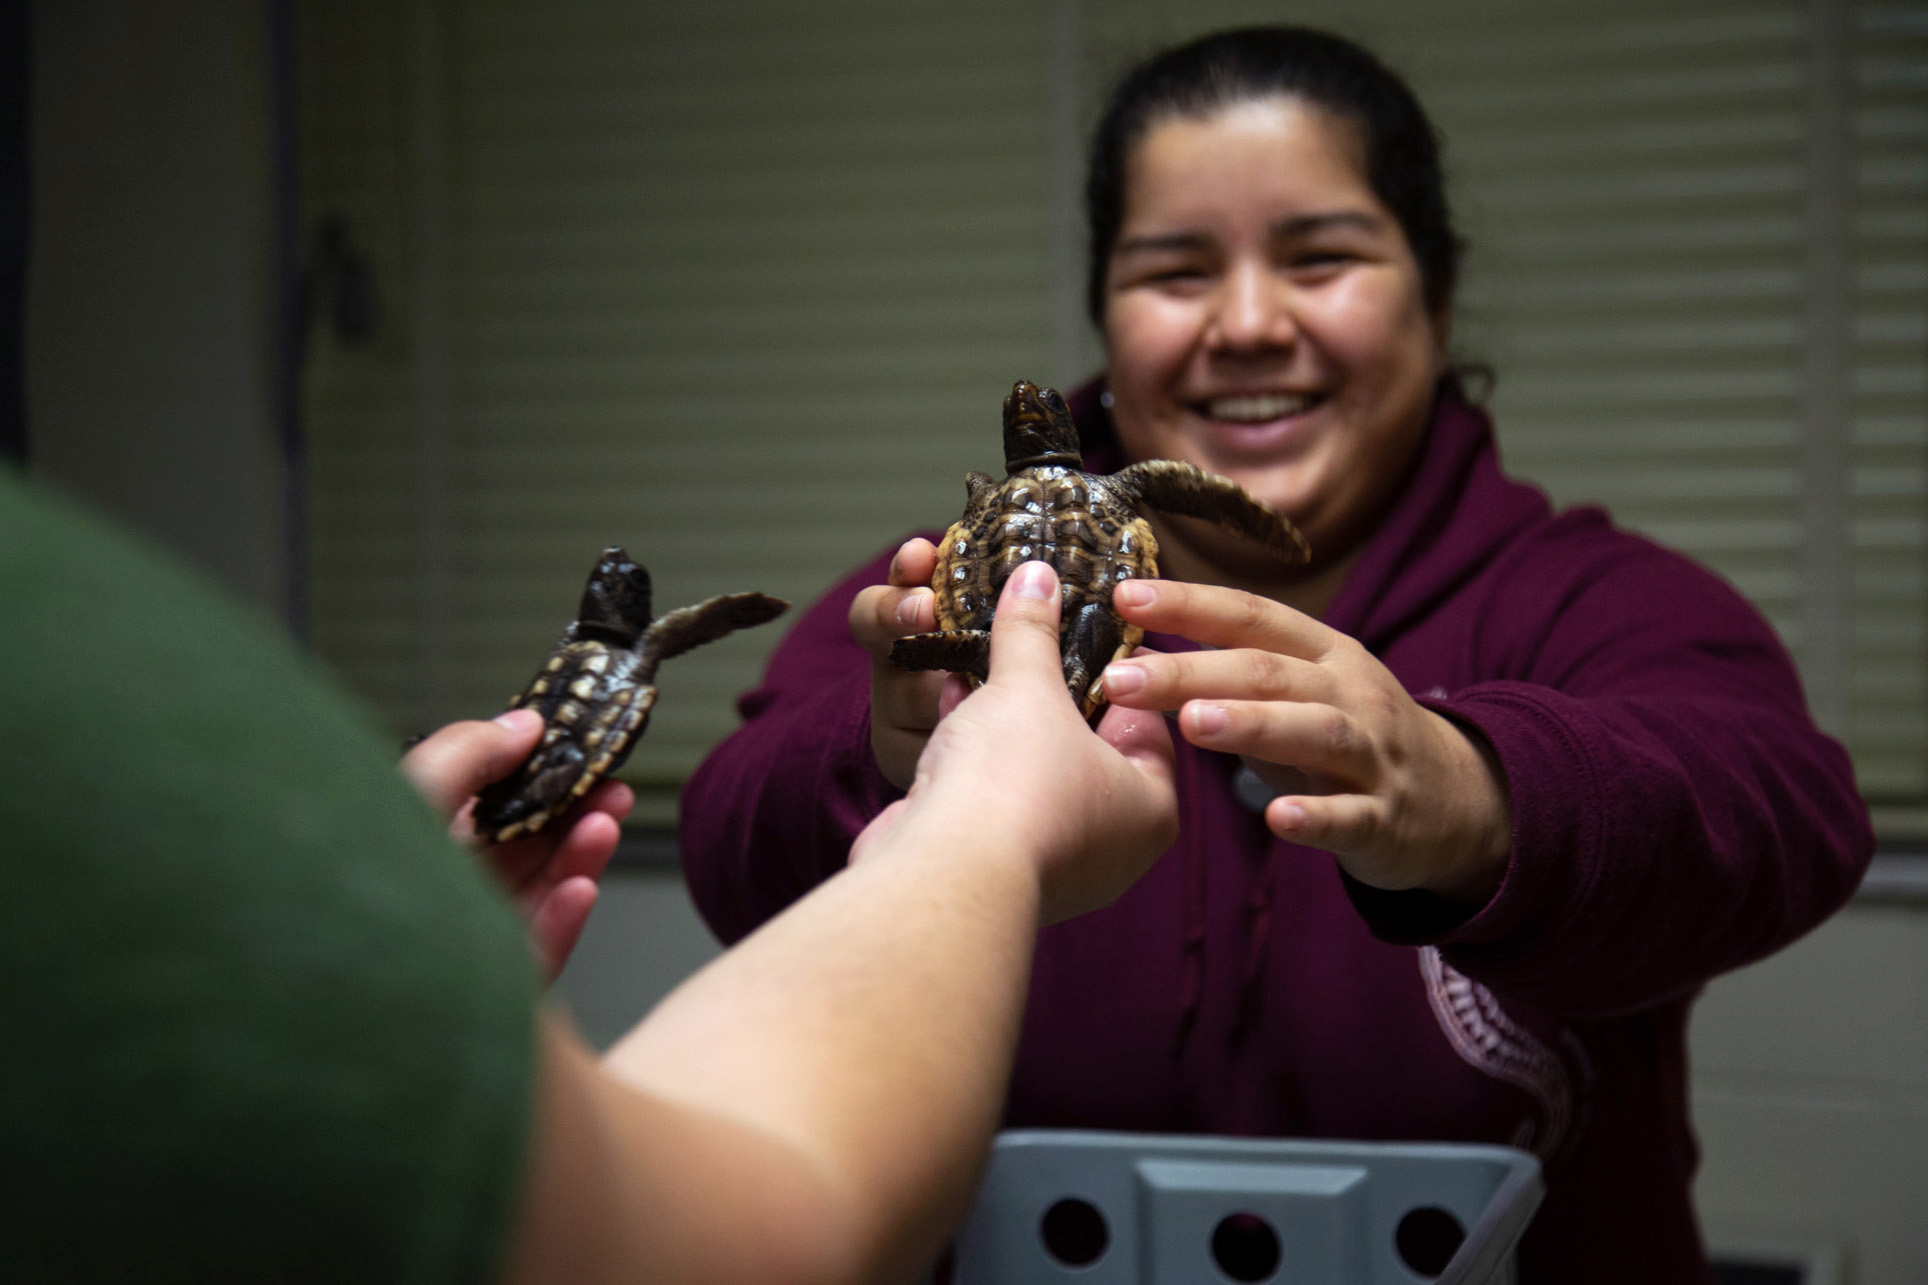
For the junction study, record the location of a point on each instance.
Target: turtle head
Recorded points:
(1038, 429)
(615, 602)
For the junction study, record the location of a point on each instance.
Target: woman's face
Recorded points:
(1264, 316)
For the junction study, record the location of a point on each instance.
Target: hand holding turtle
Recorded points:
(903, 705)
(1090, 812)
(551, 874)
(1404, 797)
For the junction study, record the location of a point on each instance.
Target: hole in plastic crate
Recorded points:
(1245, 1247)
(1074, 1232)
(1427, 1239)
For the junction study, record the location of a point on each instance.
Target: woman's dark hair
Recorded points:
(1231, 67)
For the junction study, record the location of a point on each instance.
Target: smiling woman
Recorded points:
(1265, 318)
(1472, 805)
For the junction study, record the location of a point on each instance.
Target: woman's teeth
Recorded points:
(1259, 408)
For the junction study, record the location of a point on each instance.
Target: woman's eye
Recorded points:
(1177, 277)
(1321, 262)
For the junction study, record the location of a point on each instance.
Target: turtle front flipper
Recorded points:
(690, 627)
(1171, 486)
(962, 651)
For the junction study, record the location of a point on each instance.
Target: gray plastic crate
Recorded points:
(1099, 1208)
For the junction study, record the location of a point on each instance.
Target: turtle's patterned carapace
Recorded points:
(596, 690)
(1085, 525)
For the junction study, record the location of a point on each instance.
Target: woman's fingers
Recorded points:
(1221, 617)
(1320, 740)
(913, 564)
(884, 613)
(1154, 680)
(903, 705)
(1335, 822)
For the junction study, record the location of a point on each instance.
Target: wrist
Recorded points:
(939, 833)
(1484, 845)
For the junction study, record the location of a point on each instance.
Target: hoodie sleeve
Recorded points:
(1676, 813)
(772, 811)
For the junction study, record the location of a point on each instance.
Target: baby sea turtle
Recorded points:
(1085, 525)
(596, 690)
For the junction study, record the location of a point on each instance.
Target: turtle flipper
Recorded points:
(1171, 486)
(962, 651)
(1091, 640)
(688, 627)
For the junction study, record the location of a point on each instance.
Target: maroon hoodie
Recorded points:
(1675, 814)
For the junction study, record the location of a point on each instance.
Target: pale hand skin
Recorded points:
(903, 705)
(1402, 796)
(815, 1106)
(551, 874)
(1020, 741)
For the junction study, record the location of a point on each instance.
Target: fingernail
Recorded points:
(1123, 680)
(1032, 580)
(1208, 720)
(907, 610)
(1289, 816)
(513, 718)
(1134, 593)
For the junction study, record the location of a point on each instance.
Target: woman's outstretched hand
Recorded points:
(551, 874)
(1013, 768)
(1402, 796)
(903, 705)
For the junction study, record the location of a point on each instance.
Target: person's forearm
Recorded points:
(1659, 842)
(816, 1105)
(889, 1081)
(623, 1185)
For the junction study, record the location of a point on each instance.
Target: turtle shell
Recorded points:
(594, 707)
(1071, 520)
(1086, 525)
(597, 688)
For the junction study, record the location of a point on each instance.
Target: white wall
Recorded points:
(1811, 1096)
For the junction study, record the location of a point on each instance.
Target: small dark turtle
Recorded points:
(1085, 525)
(596, 690)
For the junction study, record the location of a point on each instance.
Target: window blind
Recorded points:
(1699, 266)
(741, 287)
(738, 287)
